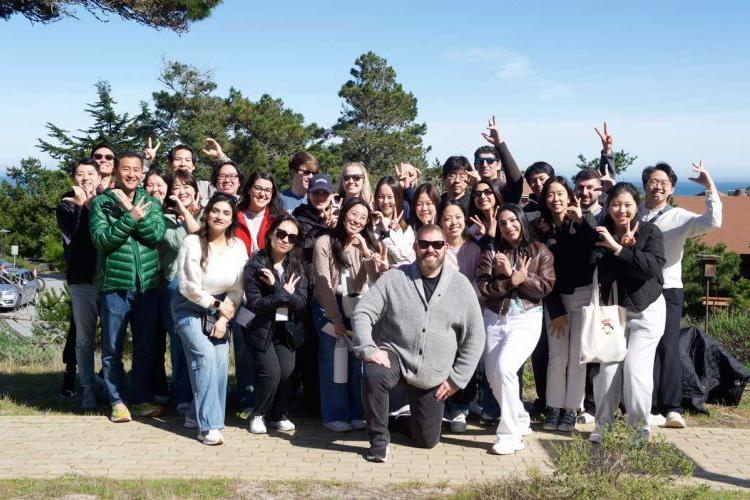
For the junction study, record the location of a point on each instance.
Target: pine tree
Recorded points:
(377, 124)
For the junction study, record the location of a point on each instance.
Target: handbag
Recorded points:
(603, 328)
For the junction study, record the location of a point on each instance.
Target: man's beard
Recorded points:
(429, 267)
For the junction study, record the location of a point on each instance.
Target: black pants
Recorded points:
(69, 351)
(275, 368)
(306, 369)
(426, 418)
(159, 383)
(539, 361)
(667, 394)
(589, 403)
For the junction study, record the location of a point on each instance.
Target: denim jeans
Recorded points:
(85, 314)
(181, 391)
(245, 370)
(208, 362)
(338, 402)
(116, 310)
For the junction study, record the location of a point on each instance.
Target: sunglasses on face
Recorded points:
(484, 192)
(488, 161)
(290, 237)
(355, 178)
(306, 173)
(425, 244)
(99, 156)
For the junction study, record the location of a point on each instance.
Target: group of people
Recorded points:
(398, 307)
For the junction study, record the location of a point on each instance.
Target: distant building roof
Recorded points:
(735, 226)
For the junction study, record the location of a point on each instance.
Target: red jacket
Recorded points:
(243, 232)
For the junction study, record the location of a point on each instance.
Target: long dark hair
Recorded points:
(473, 210)
(228, 232)
(398, 196)
(339, 235)
(433, 194)
(528, 237)
(293, 262)
(273, 207)
(618, 189)
(545, 224)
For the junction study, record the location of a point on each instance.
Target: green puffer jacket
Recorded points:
(128, 258)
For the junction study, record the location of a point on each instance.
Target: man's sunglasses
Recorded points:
(306, 173)
(99, 156)
(290, 237)
(425, 244)
(488, 161)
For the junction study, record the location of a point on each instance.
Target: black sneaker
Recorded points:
(378, 453)
(552, 420)
(568, 421)
(68, 389)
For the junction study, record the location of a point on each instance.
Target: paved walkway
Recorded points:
(45, 447)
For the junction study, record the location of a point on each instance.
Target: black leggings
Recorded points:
(274, 367)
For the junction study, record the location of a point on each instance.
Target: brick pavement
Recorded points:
(49, 446)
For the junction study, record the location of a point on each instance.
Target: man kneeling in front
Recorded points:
(420, 324)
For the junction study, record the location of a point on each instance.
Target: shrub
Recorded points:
(53, 309)
(732, 329)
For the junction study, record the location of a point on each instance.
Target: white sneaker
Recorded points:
(358, 425)
(586, 418)
(211, 438)
(458, 424)
(527, 432)
(190, 423)
(675, 421)
(338, 426)
(507, 447)
(656, 420)
(404, 410)
(281, 425)
(595, 437)
(258, 426)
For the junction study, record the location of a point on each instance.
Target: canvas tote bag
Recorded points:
(603, 328)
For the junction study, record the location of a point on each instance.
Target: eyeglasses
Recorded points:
(290, 237)
(99, 156)
(260, 190)
(455, 176)
(488, 161)
(425, 244)
(228, 177)
(656, 182)
(355, 178)
(306, 173)
(484, 192)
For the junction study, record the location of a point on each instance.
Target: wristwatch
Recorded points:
(216, 304)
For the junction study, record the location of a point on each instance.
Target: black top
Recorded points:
(512, 189)
(429, 285)
(312, 226)
(463, 201)
(80, 253)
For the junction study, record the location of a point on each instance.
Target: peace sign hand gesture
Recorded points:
(394, 225)
(150, 152)
(407, 174)
(481, 230)
(291, 285)
(494, 137)
(521, 274)
(381, 259)
(139, 209)
(606, 138)
(628, 239)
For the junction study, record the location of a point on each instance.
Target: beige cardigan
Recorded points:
(326, 272)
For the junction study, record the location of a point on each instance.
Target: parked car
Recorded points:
(18, 287)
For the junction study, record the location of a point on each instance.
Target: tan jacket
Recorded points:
(327, 271)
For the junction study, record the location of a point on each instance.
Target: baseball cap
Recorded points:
(320, 182)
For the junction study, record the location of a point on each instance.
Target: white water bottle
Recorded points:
(340, 362)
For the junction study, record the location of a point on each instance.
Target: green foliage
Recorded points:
(622, 161)
(53, 308)
(23, 350)
(728, 282)
(175, 15)
(54, 254)
(377, 124)
(732, 329)
(27, 206)
(122, 131)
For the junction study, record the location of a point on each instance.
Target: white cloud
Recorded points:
(513, 67)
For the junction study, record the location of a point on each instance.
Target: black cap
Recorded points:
(320, 182)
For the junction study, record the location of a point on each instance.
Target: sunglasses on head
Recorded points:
(99, 156)
(355, 178)
(290, 237)
(486, 192)
(425, 244)
(488, 161)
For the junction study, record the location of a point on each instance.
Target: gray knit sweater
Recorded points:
(436, 340)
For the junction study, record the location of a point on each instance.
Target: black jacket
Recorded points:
(573, 246)
(512, 189)
(263, 300)
(637, 269)
(80, 253)
(312, 226)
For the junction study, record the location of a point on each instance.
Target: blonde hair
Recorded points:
(366, 193)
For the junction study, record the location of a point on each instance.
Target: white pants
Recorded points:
(633, 378)
(566, 375)
(510, 341)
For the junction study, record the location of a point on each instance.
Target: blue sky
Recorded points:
(670, 79)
